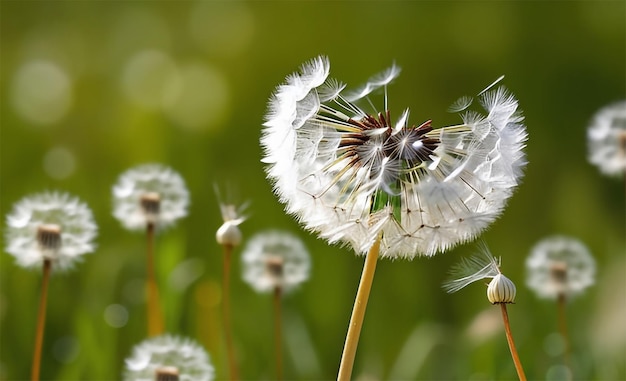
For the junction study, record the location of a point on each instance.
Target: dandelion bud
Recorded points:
(49, 237)
(166, 373)
(229, 234)
(501, 290)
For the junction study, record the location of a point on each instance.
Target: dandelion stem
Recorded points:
(41, 318)
(278, 332)
(509, 339)
(563, 328)
(232, 364)
(155, 317)
(358, 313)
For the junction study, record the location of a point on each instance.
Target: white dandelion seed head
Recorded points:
(559, 265)
(167, 351)
(274, 259)
(149, 193)
(350, 175)
(50, 225)
(606, 137)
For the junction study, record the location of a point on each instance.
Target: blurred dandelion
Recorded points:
(49, 230)
(606, 136)
(560, 268)
(150, 197)
(275, 261)
(168, 358)
(500, 290)
(229, 236)
(383, 187)
(150, 194)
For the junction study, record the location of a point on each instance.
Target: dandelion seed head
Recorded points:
(351, 175)
(606, 136)
(559, 265)
(150, 193)
(274, 259)
(50, 226)
(168, 355)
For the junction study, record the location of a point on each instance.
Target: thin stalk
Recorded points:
(278, 332)
(509, 339)
(155, 316)
(563, 328)
(232, 363)
(41, 319)
(358, 313)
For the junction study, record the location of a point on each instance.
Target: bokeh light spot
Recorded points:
(41, 92)
(116, 315)
(186, 273)
(150, 79)
(203, 100)
(59, 163)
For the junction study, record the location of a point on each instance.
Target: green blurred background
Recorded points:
(90, 89)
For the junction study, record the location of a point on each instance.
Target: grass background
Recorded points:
(186, 84)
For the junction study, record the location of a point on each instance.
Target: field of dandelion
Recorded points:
(93, 89)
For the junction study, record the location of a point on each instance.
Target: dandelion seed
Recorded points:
(50, 226)
(606, 136)
(168, 358)
(353, 175)
(559, 266)
(150, 194)
(275, 259)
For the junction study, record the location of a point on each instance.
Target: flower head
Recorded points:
(52, 226)
(606, 136)
(275, 259)
(168, 356)
(149, 193)
(559, 266)
(351, 175)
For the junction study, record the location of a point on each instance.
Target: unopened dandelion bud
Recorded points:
(229, 234)
(49, 237)
(166, 373)
(501, 290)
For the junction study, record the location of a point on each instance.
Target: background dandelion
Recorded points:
(173, 354)
(48, 230)
(275, 261)
(606, 137)
(50, 226)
